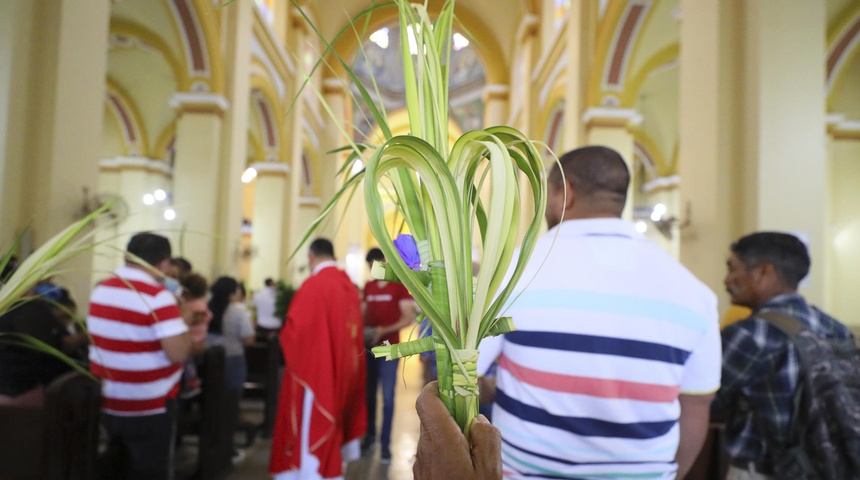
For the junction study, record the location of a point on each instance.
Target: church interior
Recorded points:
(208, 121)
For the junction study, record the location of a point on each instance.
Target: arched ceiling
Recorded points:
(498, 18)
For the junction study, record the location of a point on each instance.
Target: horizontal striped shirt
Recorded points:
(609, 332)
(130, 313)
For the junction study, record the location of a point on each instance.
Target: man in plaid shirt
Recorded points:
(760, 365)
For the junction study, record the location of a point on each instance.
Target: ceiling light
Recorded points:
(380, 37)
(249, 174)
(169, 214)
(160, 194)
(460, 42)
(148, 199)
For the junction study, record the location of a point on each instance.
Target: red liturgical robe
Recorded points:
(322, 402)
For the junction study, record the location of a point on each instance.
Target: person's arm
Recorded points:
(443, 450)
(407, 317)
(693, 426)
(177, 348)
(244, 327)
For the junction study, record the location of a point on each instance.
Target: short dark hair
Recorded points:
(375, 255)
(785, 252)
(322, 247)
(194, 286)
(593, 169)
(269, 282)
(151, 248)
(183, 264)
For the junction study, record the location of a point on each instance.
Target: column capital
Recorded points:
(117, 164)
(271, 169)
(611, 117)
(841, 127)
(333, 86)
(528, 27)
(297, 21)
(199, 102)
(497, 91)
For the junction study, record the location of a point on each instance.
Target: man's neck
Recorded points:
(148, 270)
(321, 264)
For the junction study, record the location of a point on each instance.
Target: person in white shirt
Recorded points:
(264, 302)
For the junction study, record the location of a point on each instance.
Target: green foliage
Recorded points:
(437, 191)
(283, 297)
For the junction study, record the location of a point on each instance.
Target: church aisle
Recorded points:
(404, 439)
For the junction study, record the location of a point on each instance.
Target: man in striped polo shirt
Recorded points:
(140, 342)
(616, 355)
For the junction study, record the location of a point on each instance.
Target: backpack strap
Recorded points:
(788, 324)
(791, 327)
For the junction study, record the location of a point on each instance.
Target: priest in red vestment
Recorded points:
(321, 413)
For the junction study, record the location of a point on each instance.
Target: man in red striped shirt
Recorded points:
(140, 342)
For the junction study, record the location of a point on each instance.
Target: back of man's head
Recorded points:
(322, 248)
(151, 248)
(194, 286)
(182, 264)
(599, 178)
(374, 255)
(269, 282)
(785, 252)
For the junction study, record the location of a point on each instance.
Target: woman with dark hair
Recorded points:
(230, 327)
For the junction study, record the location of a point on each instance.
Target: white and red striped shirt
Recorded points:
(129, 315)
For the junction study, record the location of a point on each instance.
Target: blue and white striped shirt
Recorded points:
(610, 331)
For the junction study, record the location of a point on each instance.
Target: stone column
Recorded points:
(51, 108)
(131, 178)
(580, 50)
(708, 137)
(292, 232)
(269, 194)
(195, 178)
(785, 167)
(236, 38)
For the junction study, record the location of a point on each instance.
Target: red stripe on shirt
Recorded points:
(121, 315)
(133, 376)
(595, 387)
(126, 346)
(133, 406)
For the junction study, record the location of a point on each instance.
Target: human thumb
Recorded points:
(486, 449)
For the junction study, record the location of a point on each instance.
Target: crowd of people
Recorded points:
(617, 367)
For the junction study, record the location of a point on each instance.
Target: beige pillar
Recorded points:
(331, 138)
(236, 38)
(708, 151)
(270, 188)
(51, 108)
(131, 178)
(612, 127)
(580, 33)
(496, 104)
(843, 273)
(195, 177)
(785, 167)
(293, 229)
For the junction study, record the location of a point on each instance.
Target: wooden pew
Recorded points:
(57, 440)
(207, 419)
(263, 382)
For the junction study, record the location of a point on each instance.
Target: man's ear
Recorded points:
(570, 195)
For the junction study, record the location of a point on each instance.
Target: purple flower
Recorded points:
(408, 251)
